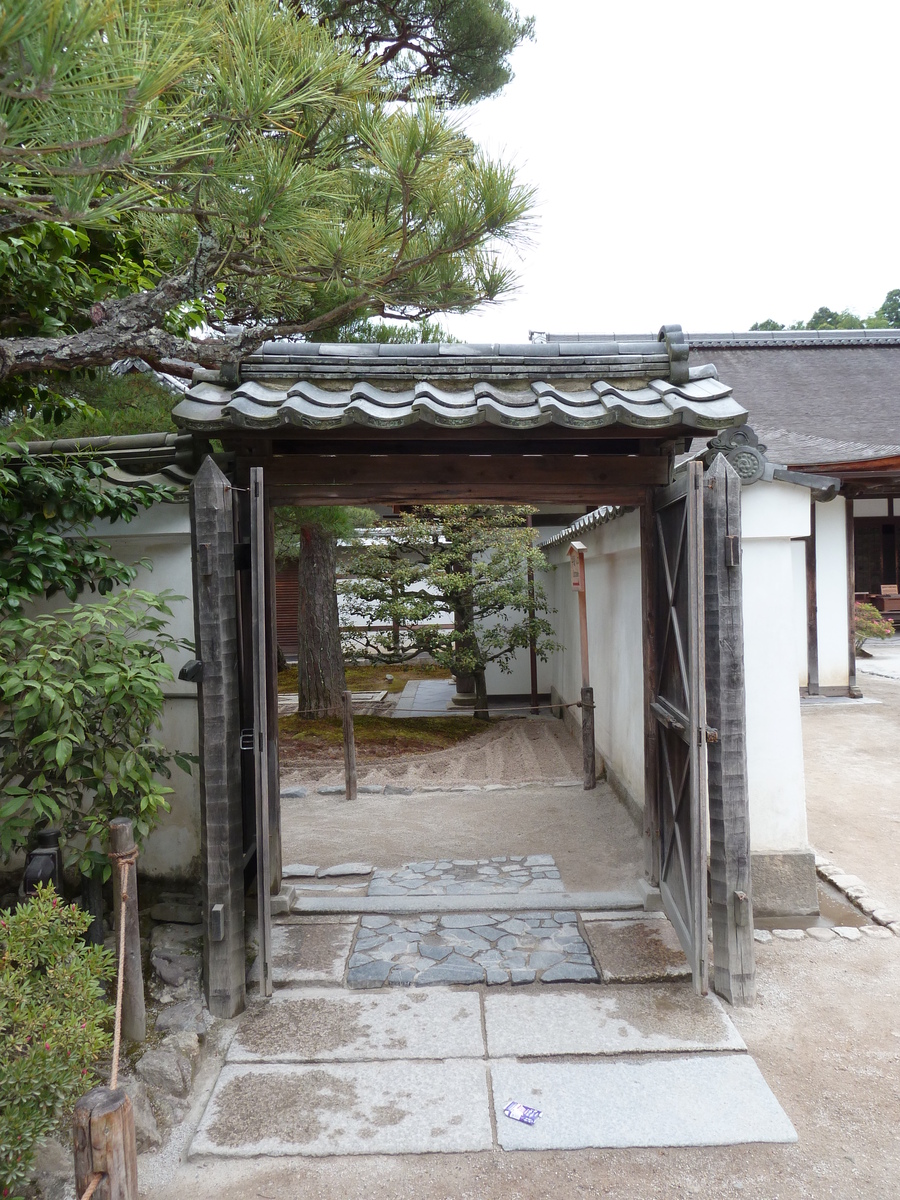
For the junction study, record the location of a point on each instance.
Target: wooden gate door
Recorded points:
(678, 707)
(258, 668)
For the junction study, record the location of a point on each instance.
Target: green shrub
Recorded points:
(54, 1023)
(869, 623)
(81, 693)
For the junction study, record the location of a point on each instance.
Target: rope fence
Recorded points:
(122, 861)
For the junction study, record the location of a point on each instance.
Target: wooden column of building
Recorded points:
(275, 854)
(731, 911)
(852, 685)
(648, 613)
(812, 613)
(221, 817)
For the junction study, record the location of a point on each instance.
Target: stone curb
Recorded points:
(854, 890)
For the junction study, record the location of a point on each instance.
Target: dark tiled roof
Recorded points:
(813, 396)
(635, 382)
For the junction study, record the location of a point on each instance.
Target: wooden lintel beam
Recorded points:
(438, 472)
(388, 492)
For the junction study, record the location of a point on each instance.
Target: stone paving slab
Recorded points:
(613, 1020)
(637, 951)
(705, 1100)
(504, 873)
(358, 1108)
(491, 946)
(310, 953)
(585, 902)
(328, 1025)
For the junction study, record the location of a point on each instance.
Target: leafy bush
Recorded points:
(80, 695)
(54, 1023)
(869, 623)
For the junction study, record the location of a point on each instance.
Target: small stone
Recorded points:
(845, 882)
(293, 792)
(542, 959)
(444, 973)
(175, 936)
(438, 953)
(884, 916)
(373, 921)
(371, 975)
(421, 868)
(761, 935)
(281, 904)
(876, 931)
(540, 860)
(895, 929)
(146, 1129)
(848, 932)
(52, 1170)
(186, 912)
(166, 1069)
(465, 862)
(790, 935)
(393, 789)
(495, 975)
(299, 871)
(522, 975)
(465, 920)
(358, 960)
(565, 918)
(570, 973)
(174, 968)
(370, 789)
(348, 868)
(821, 933)
(188, 1016)
(331, 789)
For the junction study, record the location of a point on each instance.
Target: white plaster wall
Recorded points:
(831, 593)
(162, 536)
(615, 644)
(775, 772)
(798, 561)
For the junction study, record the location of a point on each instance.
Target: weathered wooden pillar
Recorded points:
(105, 1145)
(812, 608)
(731, 907)
(134, 1012)
(221, 818)
(349, 746)
(275, 857)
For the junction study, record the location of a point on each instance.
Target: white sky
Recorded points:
(707, 164)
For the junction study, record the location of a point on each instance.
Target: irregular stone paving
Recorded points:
(503, 874)
(485, 947)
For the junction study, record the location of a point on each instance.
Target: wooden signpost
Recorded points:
(576, 564)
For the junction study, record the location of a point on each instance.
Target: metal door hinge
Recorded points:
(248, 739)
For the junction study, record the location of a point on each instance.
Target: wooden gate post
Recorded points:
(221, 817)
(731, 907)
(349, 746)
(105, 1144)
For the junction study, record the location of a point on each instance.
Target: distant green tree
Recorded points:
(453, 579)
(890, 309)
(768, 325)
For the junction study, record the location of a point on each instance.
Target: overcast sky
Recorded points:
(706, 164)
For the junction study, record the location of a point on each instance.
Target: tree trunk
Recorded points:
(320, 663)
(481, 707)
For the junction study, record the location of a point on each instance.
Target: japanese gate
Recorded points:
(597, 423)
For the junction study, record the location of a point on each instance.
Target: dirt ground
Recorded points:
(510, 750)
(825, 1033)
(853, 786)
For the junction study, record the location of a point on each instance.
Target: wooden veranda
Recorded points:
(311, 425)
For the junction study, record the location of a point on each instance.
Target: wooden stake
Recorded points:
(349, 747)
(588, 750)
(134, 1013)
(105, 1144)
